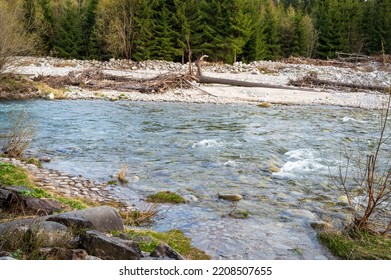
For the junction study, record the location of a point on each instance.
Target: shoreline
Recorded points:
(272, 73)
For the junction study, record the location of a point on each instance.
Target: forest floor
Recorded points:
(360, 85)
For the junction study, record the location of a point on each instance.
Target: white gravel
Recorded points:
(275, 73)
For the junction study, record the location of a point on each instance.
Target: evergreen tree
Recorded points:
(241, 25)
(88, 25)
(69, 41)
(271, 33)
(163, 43)
(144, 30)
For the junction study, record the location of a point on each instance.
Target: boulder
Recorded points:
(109, 248)
(165, 251)
(50, 234)
(101, 218)
(18, 225)
(59, 253)
(16, 198)
(40, 207)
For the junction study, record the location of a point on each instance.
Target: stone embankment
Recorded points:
(64, 184)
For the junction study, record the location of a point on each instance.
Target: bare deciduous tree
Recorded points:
(14, 38)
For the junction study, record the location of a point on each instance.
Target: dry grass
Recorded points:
(143, 216)
(122, 174)
(19, 135)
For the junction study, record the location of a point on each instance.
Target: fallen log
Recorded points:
(311, 81)
(200, 78)
(211, 80)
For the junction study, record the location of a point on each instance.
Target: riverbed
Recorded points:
(280, 159)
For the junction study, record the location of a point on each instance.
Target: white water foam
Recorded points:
(207, 143)
(231, 163)
(347, 119)
(302, 162)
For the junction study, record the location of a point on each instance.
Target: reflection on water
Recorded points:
(279, 159)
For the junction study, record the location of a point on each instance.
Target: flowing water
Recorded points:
(279, 159)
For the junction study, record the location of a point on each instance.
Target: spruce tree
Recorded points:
(241, 27)
(144, 30)
(69, 41)
(163, 43)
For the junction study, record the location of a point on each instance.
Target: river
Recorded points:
(279, 159)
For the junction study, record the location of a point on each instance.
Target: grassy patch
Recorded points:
(14, 87)
(363, 246)
(46, 89)
(174, 238)
(165, 197)
(11, 175)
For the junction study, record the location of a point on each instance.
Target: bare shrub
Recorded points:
(18, 135)
(143, 216)
(370, 176)
(14, 38)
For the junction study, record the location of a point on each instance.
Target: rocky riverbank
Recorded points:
(64, 184)
(273, 73)
(45, 228)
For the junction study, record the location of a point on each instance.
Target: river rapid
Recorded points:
(279, 159)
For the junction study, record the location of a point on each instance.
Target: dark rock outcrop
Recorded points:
(17, 199)
(102, 218)
(165, 251)
(109, 248)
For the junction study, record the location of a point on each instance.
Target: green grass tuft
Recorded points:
(165, 197)
(362, 246)
(174, 238)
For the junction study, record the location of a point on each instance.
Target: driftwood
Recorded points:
(96, 79)
(212, 80)
(351, 57)
(312, 81)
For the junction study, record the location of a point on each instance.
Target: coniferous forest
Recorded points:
(226, 30)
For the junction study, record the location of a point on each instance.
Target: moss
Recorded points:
(165, 197)
(112, 182)
(11, 175)
(174, 238)
(362, 246)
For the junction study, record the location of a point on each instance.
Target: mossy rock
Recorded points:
(165, 197)
(149, 240)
